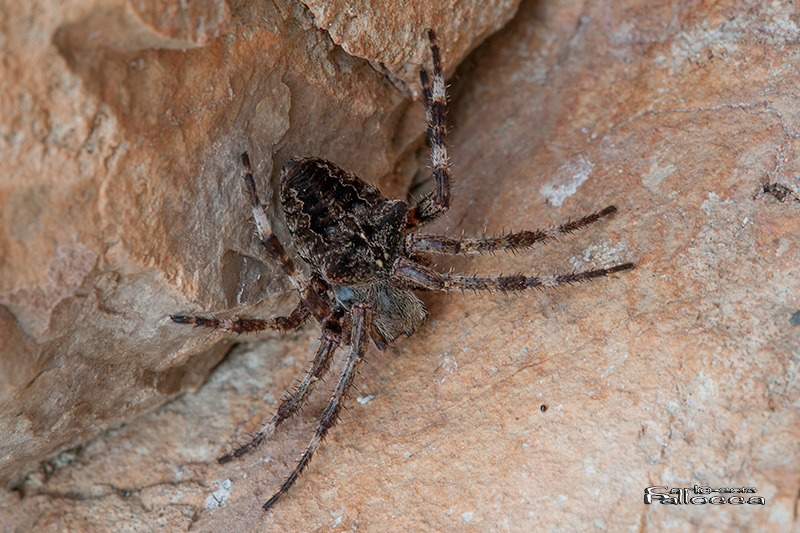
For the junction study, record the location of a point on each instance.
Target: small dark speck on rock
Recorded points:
(795, 319)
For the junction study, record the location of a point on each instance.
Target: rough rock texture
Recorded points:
(378, 31)
(680, 373)
(121, 195)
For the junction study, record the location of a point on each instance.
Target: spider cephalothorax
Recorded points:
(365, 259)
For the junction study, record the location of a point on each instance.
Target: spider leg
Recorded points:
(246, 325)
(362, 319)
(442, 244)
(435, 97)
(318, 305)
(294, 401)
(426, 278)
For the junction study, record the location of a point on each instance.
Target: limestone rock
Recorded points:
(380, 32)
(121, 193)
(682, 372)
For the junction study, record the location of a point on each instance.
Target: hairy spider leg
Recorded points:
(246, 325)
(426, 278)
(511, 242)
(312, 299)
(294, 401)
(434, 96)
(362, 320)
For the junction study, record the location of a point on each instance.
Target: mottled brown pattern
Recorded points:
(342, 226)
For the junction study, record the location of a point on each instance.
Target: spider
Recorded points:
(365, 260)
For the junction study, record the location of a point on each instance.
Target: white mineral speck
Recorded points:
(217, 499)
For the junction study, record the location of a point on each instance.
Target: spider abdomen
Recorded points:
(341, 225)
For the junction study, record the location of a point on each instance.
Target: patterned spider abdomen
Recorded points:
(342, 226)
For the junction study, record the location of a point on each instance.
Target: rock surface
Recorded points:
(680, 373)
(122, 125)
